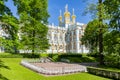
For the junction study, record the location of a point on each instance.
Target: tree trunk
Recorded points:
(100, 34)
(33, 44)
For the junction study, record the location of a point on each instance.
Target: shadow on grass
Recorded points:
(3, 66)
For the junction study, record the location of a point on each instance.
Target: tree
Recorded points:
(113, 10)
(10, 39)
(112, 48)
(112, 39)
(100, 18)
(90, 37)
(9, 24)
(99, 12)
(33, 18)
(4, 9)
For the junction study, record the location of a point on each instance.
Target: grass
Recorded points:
(17, 72)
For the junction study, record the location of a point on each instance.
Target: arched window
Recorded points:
(61, 37)
(55, 37)
(60, 47)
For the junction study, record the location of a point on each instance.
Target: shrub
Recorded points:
(70, 55)
(10, 55)
(43, 55)
(25, 55)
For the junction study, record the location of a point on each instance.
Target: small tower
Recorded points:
(60, 19)
(73, 18)
(66, 17)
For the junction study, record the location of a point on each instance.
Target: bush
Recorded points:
(82, 59)
(104, 73)
(10, 55)
(74, 59)
(44, 55)
(30, 55)
(96, 55)
(70, 55)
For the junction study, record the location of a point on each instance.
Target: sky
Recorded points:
(79, 6)
(54, 6)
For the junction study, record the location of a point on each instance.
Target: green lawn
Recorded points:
(18, 72)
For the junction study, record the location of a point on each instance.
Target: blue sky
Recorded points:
(55, 5)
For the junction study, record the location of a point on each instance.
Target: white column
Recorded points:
(66, 25)
(58, 40)
(77, 40)
(58, 36)
(63, 36)
(72, 42)
(52, 36)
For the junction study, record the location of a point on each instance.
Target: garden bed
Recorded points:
(53, 68)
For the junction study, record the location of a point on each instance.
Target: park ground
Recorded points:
(14, 71)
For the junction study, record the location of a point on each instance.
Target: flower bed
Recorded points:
(52, 68)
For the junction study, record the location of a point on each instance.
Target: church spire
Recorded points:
(60, 18)
(66, 8)
(73, 17)
(60, 13)
(73, 11)
(66, 16)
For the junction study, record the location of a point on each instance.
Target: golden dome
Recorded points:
(73, 16)
(67, 14)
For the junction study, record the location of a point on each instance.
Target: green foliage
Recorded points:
(2, 65)
(112, 48)
(82, 59)
(92, 9)
(10, 55)
(76, 58)
(54, 57)
(33, 17)
(4, 9)
(106, 11)
(112, 9)
(70, 55)
(91, 35)
(9, 24)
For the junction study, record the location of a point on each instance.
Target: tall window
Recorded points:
(55, 37)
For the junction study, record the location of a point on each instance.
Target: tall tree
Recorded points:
(100, 17)
(33, 17)
(9, 25)
(90, 37)
(99, 12)
(112, 39)
(3, 8)
(113, 10)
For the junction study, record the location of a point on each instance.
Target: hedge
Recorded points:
(10, 55)
(104, 73)
(70, 55)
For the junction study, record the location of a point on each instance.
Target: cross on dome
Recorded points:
(73, 11)
(66, 8)
(60, 13)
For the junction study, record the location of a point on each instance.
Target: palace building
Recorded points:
(66, 37)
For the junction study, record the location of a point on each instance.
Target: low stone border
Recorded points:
(104, 73)
(52, 70)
